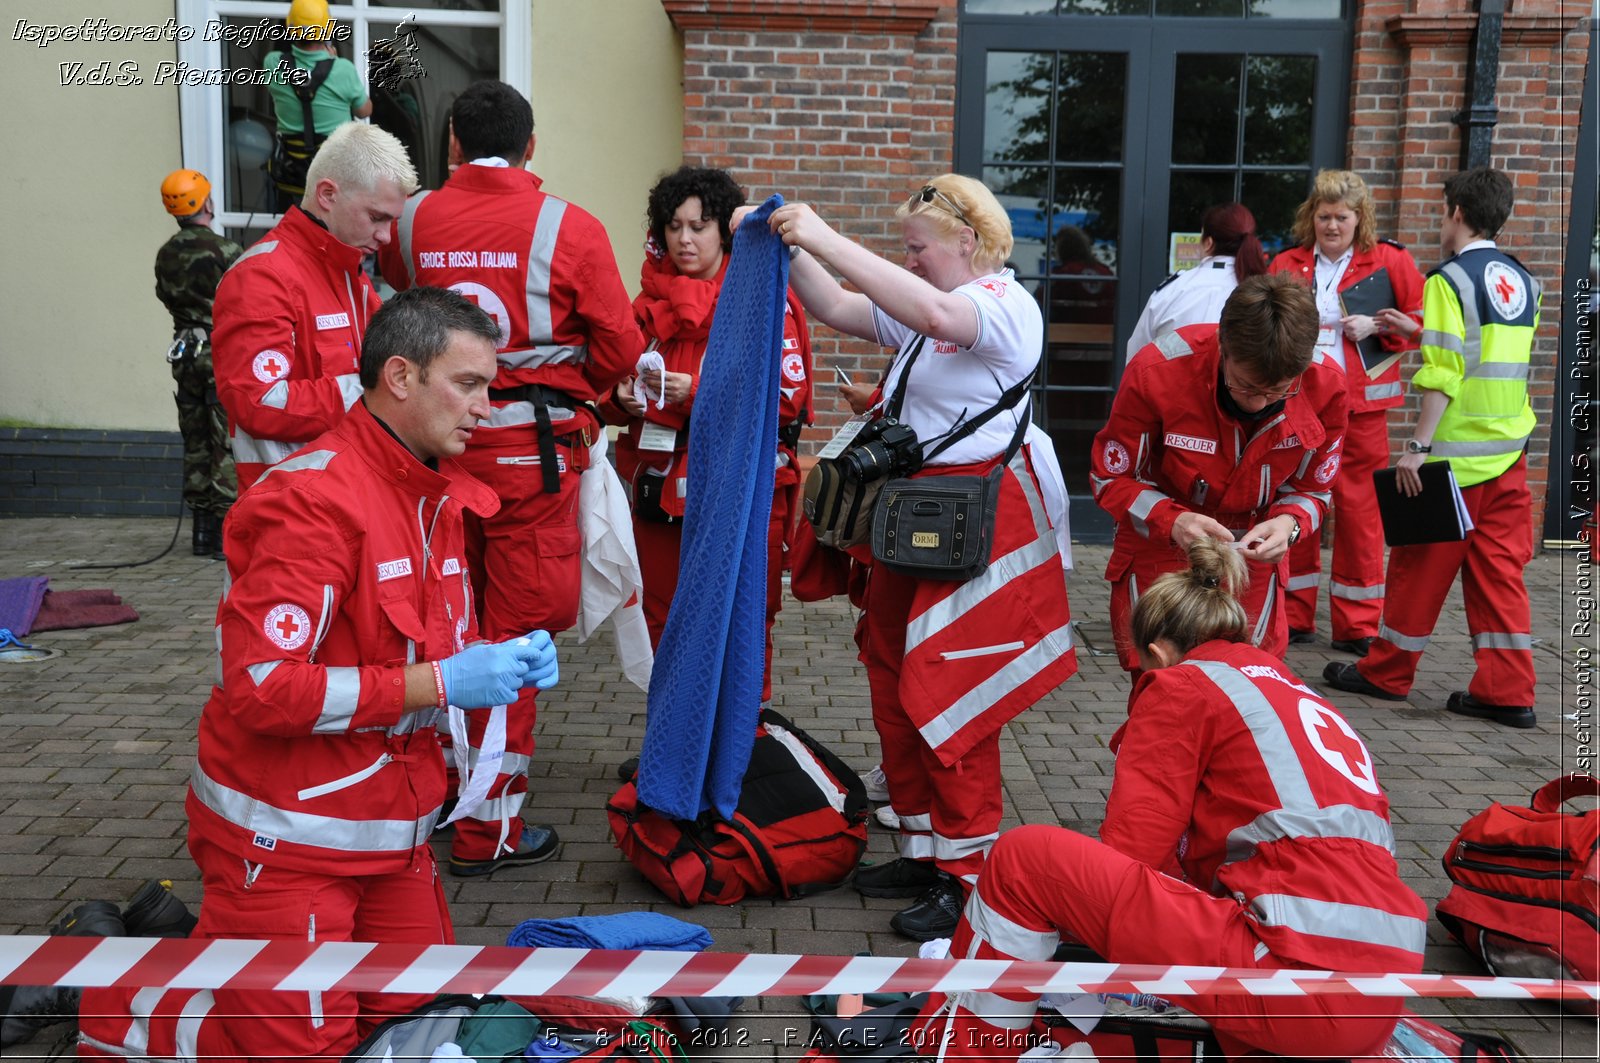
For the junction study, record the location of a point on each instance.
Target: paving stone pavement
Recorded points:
(96, 745)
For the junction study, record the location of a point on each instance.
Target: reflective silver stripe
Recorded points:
(552, 354)
(1344, 922)
(324, 622)
(312, 459)
(216, 676)
(350, 388)
(1304, 583)
(320, 832)
(1299, 814)
(250, 450)
(1171, 345)
(1409, 643)
(992, 1009)
(945, 848)
(1502, 371)
(518, 413)
(265, 248)
(1501, 640)
(419, 720)
(1467, 296)
(347, 781)
(972, 593)
(1018, 467)
(1312, 511)
(1351, 593)
(923, 823)
(541, 250)
(1008, 936)
(259, 672)
(1446, 449)
(1264, 496)
(1096, 484)
(339, 701)
(1305, 463)
(981, 698)
(1264, 621)
(408, 218)
(499, 809)
(1443, 340)
(915, 846)
(1383, 391)
(512, 764)
(1141, 509)
(277, 396)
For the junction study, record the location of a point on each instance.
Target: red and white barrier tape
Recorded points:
(361, 967)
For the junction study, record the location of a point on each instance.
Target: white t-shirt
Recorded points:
(950, 384)
(1330, 335)
(1192, 297)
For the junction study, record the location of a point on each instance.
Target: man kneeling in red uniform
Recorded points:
(1246, 828)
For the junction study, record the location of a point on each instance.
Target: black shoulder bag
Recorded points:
(942, 527)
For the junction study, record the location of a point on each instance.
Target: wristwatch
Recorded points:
(1413, 447)
(1294, 533)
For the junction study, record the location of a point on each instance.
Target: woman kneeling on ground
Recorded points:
(1245, 828)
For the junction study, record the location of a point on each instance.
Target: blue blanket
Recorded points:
(705, 692)
(625, 930)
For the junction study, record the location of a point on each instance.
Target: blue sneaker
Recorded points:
(537, 844)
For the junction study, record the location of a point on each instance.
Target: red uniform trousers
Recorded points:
(1490, 561)
(403, 907)
(526, 569)
(659, 545)
(1355, 589)
(1042, 882)
(1262, 595)
(948, 814)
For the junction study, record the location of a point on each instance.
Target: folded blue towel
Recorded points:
(625, 930)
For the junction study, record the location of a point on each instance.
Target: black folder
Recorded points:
(1437, 515)
(1368, 296)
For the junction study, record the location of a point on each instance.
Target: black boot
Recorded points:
(156, 912)
(27, 1009)
(200, 534)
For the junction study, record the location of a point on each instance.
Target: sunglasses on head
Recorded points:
(930, 193)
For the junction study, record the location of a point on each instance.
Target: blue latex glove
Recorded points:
(491, 673)
(542, 670)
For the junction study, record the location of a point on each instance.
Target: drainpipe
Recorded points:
(1479, 117)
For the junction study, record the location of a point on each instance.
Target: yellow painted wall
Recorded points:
(82, 335)
(608, 110)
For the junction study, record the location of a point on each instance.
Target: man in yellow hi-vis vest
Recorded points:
(1480, 310)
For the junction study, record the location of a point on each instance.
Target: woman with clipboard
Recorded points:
(1369, 299)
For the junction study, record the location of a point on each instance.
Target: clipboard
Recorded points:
(1367, 296)
(1437, 515)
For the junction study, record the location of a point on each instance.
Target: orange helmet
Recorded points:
(185, 192)
(308, 19)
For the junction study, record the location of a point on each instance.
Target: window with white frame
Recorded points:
(228, 129)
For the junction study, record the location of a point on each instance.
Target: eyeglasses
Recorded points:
(1270, 394)
(930, 193)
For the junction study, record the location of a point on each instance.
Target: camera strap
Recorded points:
(1006, 401)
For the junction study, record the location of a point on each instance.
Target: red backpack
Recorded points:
(1526, 886)
(800, 827)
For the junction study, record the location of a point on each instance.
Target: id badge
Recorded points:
(658, 437)
(1330, 344)
(844, 437)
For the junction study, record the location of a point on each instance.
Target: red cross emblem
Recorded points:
(1508, 291)
(270, 366)
(287, 626)
(1505, 288)
(1338, 744)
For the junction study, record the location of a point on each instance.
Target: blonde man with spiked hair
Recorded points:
(948, 661)
(291, 312)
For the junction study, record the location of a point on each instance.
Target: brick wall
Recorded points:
(88, 473)
(1409, 78)
(831, 108)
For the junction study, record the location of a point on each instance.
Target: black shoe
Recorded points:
(100, 919)
(628, 769)
(1464, 704)
(1359, 646)
(536, 845)
(200, 533)
(27, 1009)
(1298, 637)
(935, 914)
(897, 878)
(156, 912)
(1342, 675)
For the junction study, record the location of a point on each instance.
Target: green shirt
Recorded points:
(333, 105)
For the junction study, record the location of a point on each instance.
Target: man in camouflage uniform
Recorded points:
(188, 269)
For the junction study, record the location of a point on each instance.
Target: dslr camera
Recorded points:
(885, 447)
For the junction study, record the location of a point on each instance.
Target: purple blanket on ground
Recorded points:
(19, 602)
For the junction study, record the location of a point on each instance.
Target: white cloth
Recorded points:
(650, 362)
(611, 586)
(1054, 489)
(1192, 297)
(951, 384)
